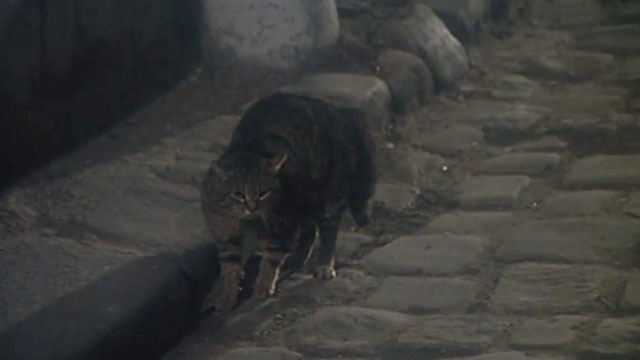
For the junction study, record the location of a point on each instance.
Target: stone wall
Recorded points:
(71, 67)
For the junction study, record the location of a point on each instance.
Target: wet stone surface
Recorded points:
(259, 353)
(480, 222)
(539, 289)
(547, 333)
(580, 240)
(428, 255)
(422, 295)
(632, 205)
(487, 192)
(346, 331)
(450, 335)
(395, 197)
(601, 171)
(521, 163)
(614, 338)
(579, 203)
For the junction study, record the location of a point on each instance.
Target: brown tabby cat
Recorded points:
(294, 164)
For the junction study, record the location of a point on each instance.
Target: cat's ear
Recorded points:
(277, 162)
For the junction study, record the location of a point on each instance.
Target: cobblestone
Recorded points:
(454, 140)
(579, 203)
(346, 331)
(449, 335)
(348, 244)
(582, 98)
(493, 276)
(618, 40)
(461, 222)
(521, 163)
(493, 191)
(544, 144)
(614, 339)
(395, 197)
(428, 255)
(541, 289)
(583, 240)
(507, 355)
(260, 353)
(631, 296)
(632, 205)
(604, 171)
(547, 333)
(415, 295)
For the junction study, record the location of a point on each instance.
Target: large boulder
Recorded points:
(420, 31)
(463, 17)
(409, 79)
(267, 33)
(366, 95)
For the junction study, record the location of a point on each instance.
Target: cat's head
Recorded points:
(251, 185)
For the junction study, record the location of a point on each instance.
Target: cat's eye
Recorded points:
(265, 194)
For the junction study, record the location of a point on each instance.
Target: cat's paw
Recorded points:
(226, 301)
(264, 292)
(324, 272)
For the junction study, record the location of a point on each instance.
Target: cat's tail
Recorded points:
(362, 167)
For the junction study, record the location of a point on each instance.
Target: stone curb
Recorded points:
(139, 311)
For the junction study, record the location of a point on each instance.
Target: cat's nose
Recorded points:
(251, 218)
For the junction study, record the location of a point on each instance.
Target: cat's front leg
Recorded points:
(328, 231)
(269, 273)
(231, 276)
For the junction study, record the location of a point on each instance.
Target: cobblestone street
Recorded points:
(506, 219)
(537, 259)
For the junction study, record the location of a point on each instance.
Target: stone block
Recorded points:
(547, 333)
(346, 331)
(521, 163)
(493, 191)
(259, 353)
(544, 144)
(420, 295)
(368, 95)
(616, 40)
(454, 140)
(631, 296)
(544, 289)
(604, 171)
(428, 255)
(37, 270)
(613, 339)
(395, 197)
(420, 32)
(460, 222)
(585, 99)
(579, 203)
(348, 244)
(581, 240)
(449, 335)
(411, 166)
(409, 79)
(509, 355)
(632, 205)
(273, 34)
(464, 18)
